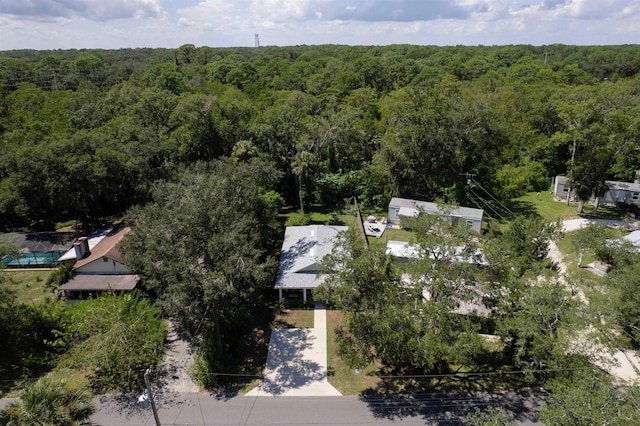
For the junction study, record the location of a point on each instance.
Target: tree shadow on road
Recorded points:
(522, 405)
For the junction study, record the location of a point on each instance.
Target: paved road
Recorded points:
(203, 409)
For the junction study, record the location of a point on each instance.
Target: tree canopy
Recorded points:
(84, 134)
(201, 248)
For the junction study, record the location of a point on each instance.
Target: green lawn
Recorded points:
(542, 204)
(28, 285)
(294, 318)
(341, 376)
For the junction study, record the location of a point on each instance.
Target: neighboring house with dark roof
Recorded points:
(36, 249)
(301, 259)
(401, 209)
(100, 269)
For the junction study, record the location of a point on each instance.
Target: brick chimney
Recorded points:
(81, 247)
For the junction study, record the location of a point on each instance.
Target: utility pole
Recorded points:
(468, 176)
(573, 156)
(546, 54)
(151, 397)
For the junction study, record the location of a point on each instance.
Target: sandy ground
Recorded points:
(623, 365)
(173, 374)
(571, 225)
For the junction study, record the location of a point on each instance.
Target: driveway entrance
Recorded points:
(297, 361)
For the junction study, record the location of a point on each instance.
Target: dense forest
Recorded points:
(85, 134)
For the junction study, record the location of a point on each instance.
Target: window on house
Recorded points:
(635, 195)
(565, 189)
(105, 259)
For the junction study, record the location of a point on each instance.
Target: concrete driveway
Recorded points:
(297, 361)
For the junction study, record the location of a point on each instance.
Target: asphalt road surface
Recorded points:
(204, 409)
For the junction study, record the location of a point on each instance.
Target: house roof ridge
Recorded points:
(107, 247)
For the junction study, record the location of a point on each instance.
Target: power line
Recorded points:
(482, 373)
(494, 198)
(485, 203)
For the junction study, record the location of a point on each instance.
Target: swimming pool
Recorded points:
(31, 259)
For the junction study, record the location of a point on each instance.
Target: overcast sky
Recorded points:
(112, 24)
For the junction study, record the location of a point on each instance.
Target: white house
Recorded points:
(300, 260)
(405, 251)
(632, 240)
(101, 268)
(617, 192)
(403, 208)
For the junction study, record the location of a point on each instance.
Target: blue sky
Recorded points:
(112, 24)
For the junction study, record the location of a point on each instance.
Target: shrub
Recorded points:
(298, 219)
(46, 402)
(514, 181)
(59, 277)
(115, 338)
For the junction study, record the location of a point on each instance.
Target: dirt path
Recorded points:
(622, 365)
(178, 357)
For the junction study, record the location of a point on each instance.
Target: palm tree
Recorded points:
(47, 402)
(303, 164)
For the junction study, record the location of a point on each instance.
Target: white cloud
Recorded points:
(97, 10)
(135, 23)
(184, 22)
(582, 9)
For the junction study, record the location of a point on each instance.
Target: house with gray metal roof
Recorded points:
(301, 259)
(617, 192)
(402, 208)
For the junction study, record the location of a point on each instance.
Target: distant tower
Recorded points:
(257, 39)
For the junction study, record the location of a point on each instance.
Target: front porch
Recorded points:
(295, 295)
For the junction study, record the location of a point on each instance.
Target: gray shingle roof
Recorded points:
(302, 251)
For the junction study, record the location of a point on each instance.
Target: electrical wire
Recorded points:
(399, 376)
(478, 205)
(486, 204)
(494, 198)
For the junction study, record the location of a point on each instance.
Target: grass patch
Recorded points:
(569, 252)
(341, 376)
(67, 225)
(75, 379)
(399, 235)
(568, 247)
(542, 204)
(294, 318)
(28, 285)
